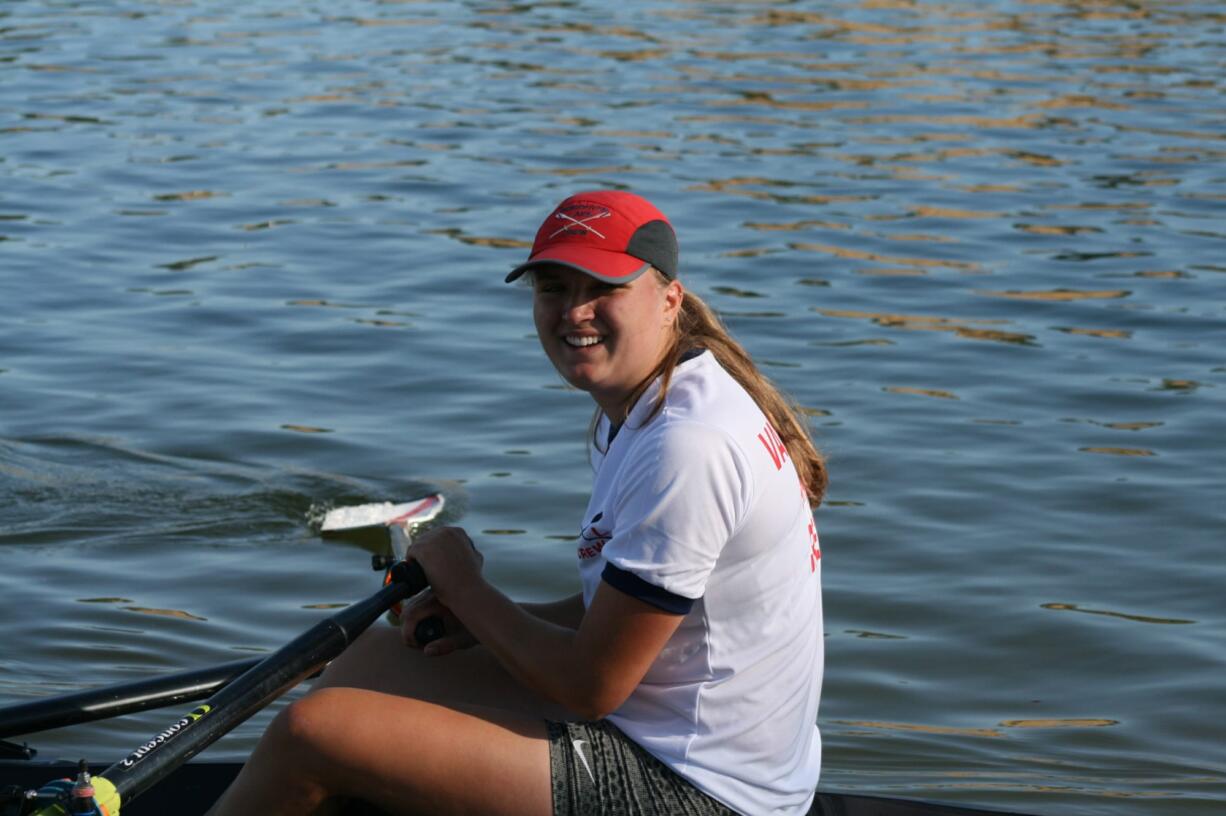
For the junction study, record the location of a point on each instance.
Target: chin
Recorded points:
(579, 381)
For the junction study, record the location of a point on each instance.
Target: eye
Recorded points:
(542, 284)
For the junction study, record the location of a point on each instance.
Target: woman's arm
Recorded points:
(566, 612)
(590, 669)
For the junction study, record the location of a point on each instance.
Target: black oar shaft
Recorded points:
(260, 685)
(117, 700)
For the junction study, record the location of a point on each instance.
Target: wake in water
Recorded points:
(80, 494)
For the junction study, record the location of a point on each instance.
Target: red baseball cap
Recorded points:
(612, 235)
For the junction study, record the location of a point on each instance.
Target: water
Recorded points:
(251, 259)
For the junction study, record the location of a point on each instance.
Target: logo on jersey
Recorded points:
(592, 539)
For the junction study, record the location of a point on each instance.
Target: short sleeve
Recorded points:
(681, 494)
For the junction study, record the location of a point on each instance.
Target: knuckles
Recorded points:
(443, 539)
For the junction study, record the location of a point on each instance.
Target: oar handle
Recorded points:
(428, 629)
(411, 573)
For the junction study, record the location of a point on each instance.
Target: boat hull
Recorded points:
(192, 788)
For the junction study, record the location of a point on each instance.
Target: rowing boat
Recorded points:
(192, 788)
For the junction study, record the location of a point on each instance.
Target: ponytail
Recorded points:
(698, 327)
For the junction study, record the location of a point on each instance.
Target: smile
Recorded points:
(582, 341)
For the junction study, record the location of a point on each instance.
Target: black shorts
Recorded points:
(597, 769)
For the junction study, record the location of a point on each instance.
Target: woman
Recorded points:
(685, 677)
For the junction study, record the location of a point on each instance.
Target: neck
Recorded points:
(617, 406)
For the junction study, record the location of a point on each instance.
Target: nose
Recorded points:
(580, 306)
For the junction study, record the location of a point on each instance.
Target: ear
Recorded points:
(674, 295)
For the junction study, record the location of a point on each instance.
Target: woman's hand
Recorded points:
(452, 565)
(426, 604)
(450, 560)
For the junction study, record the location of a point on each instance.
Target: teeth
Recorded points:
(576, 340)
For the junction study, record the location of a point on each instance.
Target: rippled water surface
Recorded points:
(251, 259)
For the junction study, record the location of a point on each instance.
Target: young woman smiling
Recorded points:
(685, 675)
(604, 338)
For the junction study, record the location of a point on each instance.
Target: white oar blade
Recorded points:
(382, 514)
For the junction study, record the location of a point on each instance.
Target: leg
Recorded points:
(379, 661)
(403, 755)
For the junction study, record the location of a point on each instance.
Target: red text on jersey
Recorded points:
(774, 446)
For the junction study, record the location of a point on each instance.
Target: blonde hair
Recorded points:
(699, 327)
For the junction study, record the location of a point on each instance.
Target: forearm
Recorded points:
(566, 612)
(538, 645)
(587, 660)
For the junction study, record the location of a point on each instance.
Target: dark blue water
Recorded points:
(251, 259)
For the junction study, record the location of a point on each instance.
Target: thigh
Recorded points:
(403, 755)
(379, 661)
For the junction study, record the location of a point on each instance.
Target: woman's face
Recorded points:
(604, 338)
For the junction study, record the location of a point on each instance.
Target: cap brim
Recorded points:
(610, 267)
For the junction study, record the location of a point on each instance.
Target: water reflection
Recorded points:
(1067, 607)
(961, 328)
(924, 729)
(1058, 295)
(922, 264)
(922, 392)
(166, 613)
(1060, 723)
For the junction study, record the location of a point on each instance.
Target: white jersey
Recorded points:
(699, 511)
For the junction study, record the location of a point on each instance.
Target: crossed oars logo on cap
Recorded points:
(581, 223)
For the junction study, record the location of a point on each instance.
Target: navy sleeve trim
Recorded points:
(636, 587)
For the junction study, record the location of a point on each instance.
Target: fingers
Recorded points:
(455, 638)
(421, 606)
(452, 565)
(444, 537)
(449, 559)
(426, 605)
(439, 648)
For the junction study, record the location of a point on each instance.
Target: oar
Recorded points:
(243, 697)
(119, 699)
(143, 695)
(374, 523)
